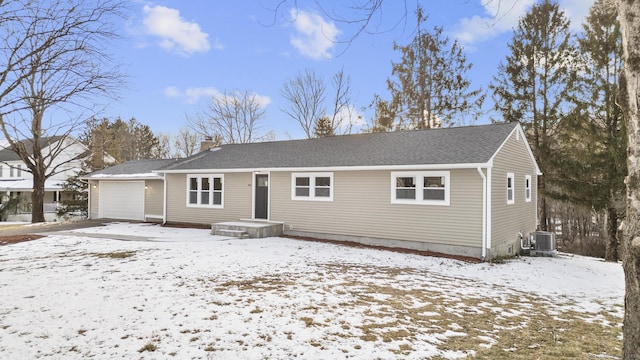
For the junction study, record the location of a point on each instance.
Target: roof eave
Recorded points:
(333, 168)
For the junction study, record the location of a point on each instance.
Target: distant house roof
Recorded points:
(7, 154)
(135, 169)
(461, 145)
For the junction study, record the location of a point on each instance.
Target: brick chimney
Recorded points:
(208, 143)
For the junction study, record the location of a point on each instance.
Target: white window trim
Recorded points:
(527, 188)
(199, 177)
(417, 175)
(312, 189)
(513, 189)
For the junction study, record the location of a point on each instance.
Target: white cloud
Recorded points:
(263, 100)
(171, 91)
(349, 119)
(576, 11)
(502, 16)
(175, 33)
(499, 16)
(314, 36)
(191, 95)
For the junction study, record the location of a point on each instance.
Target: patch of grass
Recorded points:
(307, 321)
(115, 255)
(150, 346)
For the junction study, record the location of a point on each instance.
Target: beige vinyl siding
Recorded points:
(508, 220)
(94, 193)
(362, 207)
(153, 197)
(237, 190)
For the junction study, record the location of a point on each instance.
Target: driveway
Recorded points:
(19, 229)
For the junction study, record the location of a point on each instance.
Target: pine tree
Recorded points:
(430, 85)
(323, 127)
(591, 162)
(535, 84)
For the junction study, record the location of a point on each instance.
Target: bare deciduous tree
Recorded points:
(53, 61)
(305, 95)
(343, 111)
(235, 116)
(186, 143)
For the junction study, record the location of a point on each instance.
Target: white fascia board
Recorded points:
(332, 168)
(121, 178)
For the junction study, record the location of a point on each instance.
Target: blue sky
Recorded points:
(177, 54)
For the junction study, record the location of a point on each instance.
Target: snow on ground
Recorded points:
(183, 293)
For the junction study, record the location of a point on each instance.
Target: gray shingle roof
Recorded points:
(7, 154)
(461, 145)
(133, 167)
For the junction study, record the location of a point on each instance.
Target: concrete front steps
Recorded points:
(244, 229)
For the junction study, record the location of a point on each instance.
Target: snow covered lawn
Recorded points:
(185, 294)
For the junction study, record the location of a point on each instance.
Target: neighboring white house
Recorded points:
(16, 181)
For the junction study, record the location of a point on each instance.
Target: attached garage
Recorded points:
(128, 191)
(122, 200)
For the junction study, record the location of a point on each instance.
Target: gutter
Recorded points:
(484, 213)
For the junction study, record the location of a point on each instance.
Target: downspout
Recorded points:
(484, 213)
(88, 199)
(164, 198)
(489, 206)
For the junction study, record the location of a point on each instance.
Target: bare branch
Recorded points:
(235, 116)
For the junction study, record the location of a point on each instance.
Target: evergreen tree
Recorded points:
(430, 85)
(535, 85)
(323, 127)
(384, 116)
(591, 162)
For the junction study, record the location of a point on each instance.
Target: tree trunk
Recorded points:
(543, 207)
(629, 14)
(37, 198)
(611, 250)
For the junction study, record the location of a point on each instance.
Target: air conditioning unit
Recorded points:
(542, 243)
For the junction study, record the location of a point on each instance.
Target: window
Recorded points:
(312, 186)
(426, 187)
(1, 171)
(19, 171)
(527, 188)
(10, 171)
(510, 190)
(205, 190)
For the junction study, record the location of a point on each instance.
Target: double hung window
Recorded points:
(527, 188)
(312, 186)
(425, 187)
(510, 188)
(205, 190)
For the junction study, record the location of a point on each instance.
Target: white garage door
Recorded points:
(122, 200)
